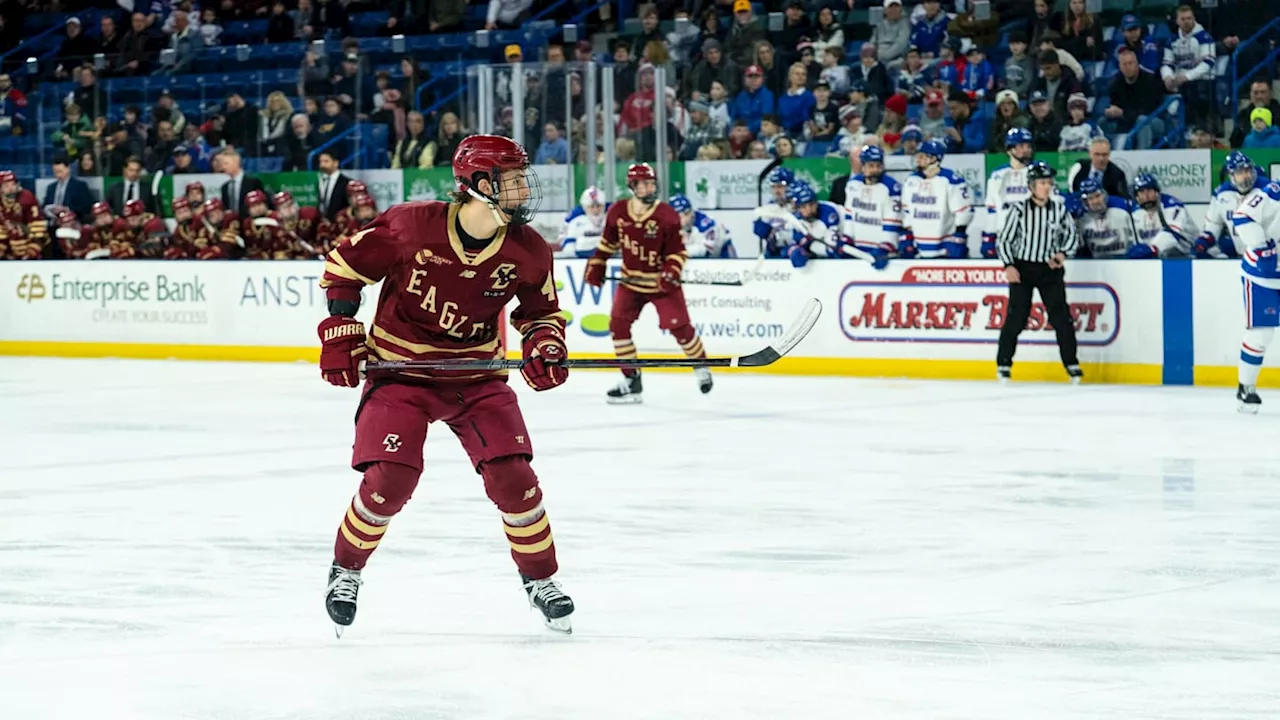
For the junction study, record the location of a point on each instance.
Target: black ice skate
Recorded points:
(1075, 374)
(340, 597)
(547, 597)
(704, 379)
(627, 391)
(1002, 374)
(1247, 399)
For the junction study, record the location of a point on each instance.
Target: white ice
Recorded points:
(782, 548)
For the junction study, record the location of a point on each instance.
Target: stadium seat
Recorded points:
(367, 24)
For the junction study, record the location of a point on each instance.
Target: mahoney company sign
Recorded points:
(965, 305)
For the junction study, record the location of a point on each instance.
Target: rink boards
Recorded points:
(1150, 322)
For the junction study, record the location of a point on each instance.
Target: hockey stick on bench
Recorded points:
(767, 356)
(775, 212)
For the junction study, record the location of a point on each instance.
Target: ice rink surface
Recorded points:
(783, 548)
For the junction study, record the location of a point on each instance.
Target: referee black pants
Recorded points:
(1053, 293)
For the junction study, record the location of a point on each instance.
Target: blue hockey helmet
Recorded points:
(1242, 171)
(1093, 195)
(1017, 136)
(934, 148)
(781, 176)
(680, 203)
(871, 153)
(1145, 181)
(801, 192)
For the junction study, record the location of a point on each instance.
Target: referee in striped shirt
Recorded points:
(1037, 238)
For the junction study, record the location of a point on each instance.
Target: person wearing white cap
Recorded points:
(892, 36)
(1009, 115)
(77, 48)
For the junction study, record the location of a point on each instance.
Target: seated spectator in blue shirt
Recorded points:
(1264, 135)
(1132, 35)
(754, 101)
(928, 32)
(915, 77)
(966, 130)
(554, 149)
(796, 105)
(979, 78)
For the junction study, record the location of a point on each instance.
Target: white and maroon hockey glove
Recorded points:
(342, 350)
(543, 353)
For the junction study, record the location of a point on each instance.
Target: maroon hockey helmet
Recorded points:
(637, 173)
(100, 209)
(194, 186)
(134, 208)
(66, 218)
(356, 187)
(488, 157)
(180, 203)
(213, 205)
(255, 197)
(7, 176)
(283, 198)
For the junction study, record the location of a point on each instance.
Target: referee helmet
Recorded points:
(1039, 170)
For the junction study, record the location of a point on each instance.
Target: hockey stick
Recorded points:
(775, 212)
(272, 222)
(760, 181)
(767, 356)
(217, 233)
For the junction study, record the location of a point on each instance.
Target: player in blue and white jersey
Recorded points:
(704, 236)
(583, 226)
(1243, 177)
(818, 230)
(1164, 228)
(936, 209)
(1256, 226)
(1106, 223)
(771, 230)
(873, 205)
(1007, 185)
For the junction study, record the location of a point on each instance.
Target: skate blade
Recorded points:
(624, 400)
(1076, 380)
(1247, 408)
(562, 625)
(338, 630)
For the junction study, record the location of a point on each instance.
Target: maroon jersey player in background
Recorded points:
(448, 270)
(653, 256)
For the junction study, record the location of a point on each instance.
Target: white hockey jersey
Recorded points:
(1006, 186)
(932, 209)
(580, 236)
(1217, 219)
(1174, 241)
(774, 233)
(1257, 226)
(1109, 233)
(708, 237)
(874, 213)
(826, 228)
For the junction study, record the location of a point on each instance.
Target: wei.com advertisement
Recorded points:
(732, 320)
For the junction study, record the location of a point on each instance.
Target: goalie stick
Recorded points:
(767, 356)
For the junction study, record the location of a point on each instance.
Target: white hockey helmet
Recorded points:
(592, 196)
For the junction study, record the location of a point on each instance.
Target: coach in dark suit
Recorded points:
(238, 184)
(332, 185)
(132, 186)
(68, 192)
(1099, 165)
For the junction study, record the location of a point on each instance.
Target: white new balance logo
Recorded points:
(467, 274)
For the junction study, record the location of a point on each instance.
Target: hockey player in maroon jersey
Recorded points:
(302, 225)
(215, 232)
(25, 230)
(182, 239)
(195, 195)
(653, 256)
(148, 233)
(342, 218)
(263, 241)
(448, 270)
(109, 231)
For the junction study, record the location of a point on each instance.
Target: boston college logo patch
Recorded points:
(392, 443)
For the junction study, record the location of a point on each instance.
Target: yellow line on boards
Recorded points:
(835, 367)
(1225, 375)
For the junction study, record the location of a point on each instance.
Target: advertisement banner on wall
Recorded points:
(724, 184)
(386, 186)
(1185, 174)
